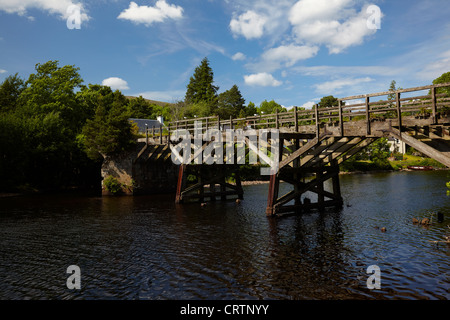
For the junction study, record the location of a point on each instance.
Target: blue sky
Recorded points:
(291, 51)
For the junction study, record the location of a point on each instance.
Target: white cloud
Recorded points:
(58, 7)
(249, 24)
(290, 54)
(335, 24)
(116, 83)
(313, 10)
(238, 56)
(3, 71)
(308, 105)
(263, 79)
(148, 15)
(331, 87)
(282, 56)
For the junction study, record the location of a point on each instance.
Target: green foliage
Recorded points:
(250, 110)
(109, 131)
(112, 185)
(268, 107)
(230, 103)
(198, 109)
(140, 108)
(328, 102)
(10, 90)
(373, 157)
(41, 121)
(444, 78)
(200, 87)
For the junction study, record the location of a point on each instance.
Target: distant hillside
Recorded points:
(159, 103)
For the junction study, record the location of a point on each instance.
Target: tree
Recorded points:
(200, 87)
(444, 78)
(10, 90)
(250, 110)
(269, 107)
(140, 108)
(109, 131)
(328, 102)
(392, 89)
(230, 103)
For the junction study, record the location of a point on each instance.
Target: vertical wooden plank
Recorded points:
(160, 133)
(316, 112)
(296, 119)
(273, 194)
(168, 134)
(276, 119)
(341, 119)
(434, 105)
(180, 184)
(368, 115)
(399, 111)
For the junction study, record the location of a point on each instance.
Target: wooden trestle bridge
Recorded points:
(312, 144)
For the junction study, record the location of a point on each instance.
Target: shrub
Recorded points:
(112, 185)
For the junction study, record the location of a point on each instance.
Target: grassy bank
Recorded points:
(391, 164)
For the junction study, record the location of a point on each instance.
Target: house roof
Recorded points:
(145, 123)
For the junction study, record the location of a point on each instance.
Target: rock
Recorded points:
(425, 221)
(415, 221)
(203, 204)
(238, 200)
(383, 229)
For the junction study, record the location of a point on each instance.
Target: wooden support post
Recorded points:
(273, 195)
(168, 135)
(276, 119)
(296, 120)
(341, 119)
(335, 181)
(434, 105)
(368, 115)
(146, 134)
(181, 183)
(160, 134)
(399, 112)
(316, 112)
(231, 122)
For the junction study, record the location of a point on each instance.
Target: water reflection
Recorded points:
(151, 248)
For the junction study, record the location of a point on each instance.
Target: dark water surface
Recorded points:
(149, 248)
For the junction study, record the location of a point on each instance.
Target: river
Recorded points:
(148, 247)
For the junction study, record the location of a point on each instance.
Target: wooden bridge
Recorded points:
(311, 145)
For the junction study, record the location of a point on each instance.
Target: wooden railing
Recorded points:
(370, 107)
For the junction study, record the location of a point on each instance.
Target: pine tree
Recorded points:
(200, 87)
(230, 103)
